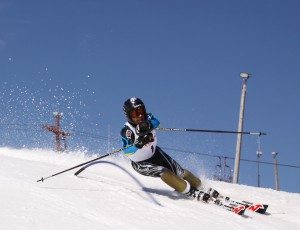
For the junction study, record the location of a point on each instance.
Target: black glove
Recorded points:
(143, 128)
(143, 140)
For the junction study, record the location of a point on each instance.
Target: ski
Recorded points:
(254, 207)
(238, 209)
(251, 206)
(233, 207)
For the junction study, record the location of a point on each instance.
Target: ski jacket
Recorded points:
(129, 136)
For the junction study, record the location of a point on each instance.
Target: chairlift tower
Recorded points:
(258, 154)
(274, 154)
(223, 171)
(60, 135)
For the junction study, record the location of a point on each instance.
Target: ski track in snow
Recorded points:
(111, 195)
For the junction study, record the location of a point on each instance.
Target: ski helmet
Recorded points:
(132, 104)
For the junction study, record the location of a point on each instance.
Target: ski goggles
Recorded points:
(137, 112)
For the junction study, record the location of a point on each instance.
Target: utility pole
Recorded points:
(259, 154)
(108, 138)
(274, 154)
(245, 77)
(60, 135)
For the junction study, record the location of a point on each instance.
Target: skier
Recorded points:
(150, 160)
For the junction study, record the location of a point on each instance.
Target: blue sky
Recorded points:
(183, 58)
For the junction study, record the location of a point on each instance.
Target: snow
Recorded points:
(111, 195)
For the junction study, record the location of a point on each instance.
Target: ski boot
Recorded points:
(213, 193)
(198, 194)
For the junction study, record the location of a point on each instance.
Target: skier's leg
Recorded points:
(167, 176)
(147, 169)
(169, 163)
(174, 181)
(183, 186)
(163, 159)
(192, 179)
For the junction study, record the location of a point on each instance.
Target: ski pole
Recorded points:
(106, 155)
(210, 131)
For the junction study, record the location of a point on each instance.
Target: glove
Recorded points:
(143, 140)
(143, 128)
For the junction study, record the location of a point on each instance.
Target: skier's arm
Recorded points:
(144, 135)
(144, 130)
(128, 140)
(154, 121)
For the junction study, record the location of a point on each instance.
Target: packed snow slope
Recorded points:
(111, 195)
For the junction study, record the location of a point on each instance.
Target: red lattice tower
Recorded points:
(60, 135)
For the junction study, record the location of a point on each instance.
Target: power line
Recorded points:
(19, 127)
(92, 135)
(100, 137)
(232, 158)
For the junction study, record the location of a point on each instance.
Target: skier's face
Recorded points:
(138, 115)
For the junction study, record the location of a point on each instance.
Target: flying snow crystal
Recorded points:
(26, 105)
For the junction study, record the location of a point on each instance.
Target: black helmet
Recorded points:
(130, 105)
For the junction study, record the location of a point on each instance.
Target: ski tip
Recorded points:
(259, 208)
(263, 210)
